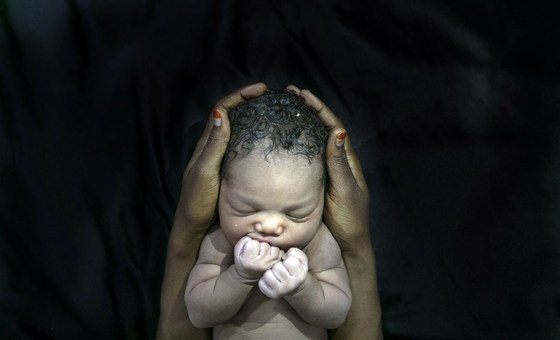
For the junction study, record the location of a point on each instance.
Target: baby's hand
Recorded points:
(285, 277)
(252, 258)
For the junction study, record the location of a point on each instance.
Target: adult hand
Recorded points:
(346, 214)
(196, 211)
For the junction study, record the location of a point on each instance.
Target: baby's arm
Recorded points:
(321, 296)
(224, 277)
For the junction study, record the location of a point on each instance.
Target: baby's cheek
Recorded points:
(234, 228)
(311, 228)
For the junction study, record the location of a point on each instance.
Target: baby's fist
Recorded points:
(285, 277)
(252, 258)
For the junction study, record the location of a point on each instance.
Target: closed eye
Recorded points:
(297, 218)
(243, 213)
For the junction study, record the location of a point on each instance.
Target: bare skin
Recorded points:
(347, 215)
(271, 220)
(345, 212)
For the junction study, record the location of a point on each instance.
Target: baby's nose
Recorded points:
(270, 226)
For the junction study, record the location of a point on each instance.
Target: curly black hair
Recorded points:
(282, 121)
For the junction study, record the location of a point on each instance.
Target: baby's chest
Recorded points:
(259, 308)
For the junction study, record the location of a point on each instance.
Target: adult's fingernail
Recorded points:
(217, 118)
(340, 138)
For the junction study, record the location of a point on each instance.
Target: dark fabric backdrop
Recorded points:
(452, 107)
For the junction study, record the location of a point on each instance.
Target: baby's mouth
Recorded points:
(260, 238)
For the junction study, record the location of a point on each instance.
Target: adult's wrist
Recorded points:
(352, 243)
(183, 243)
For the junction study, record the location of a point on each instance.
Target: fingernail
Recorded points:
(340, 138)
(217, 118)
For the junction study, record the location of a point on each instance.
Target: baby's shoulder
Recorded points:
(324, 238)
(323, 251)
(215, 248)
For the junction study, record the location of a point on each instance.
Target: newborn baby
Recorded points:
(270, 268)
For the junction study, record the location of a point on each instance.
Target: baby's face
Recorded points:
(279, 202)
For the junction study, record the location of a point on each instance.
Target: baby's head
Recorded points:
(273, 171)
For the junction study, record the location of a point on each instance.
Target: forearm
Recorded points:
(320, 303)
(181, 256)
(216, 300)
(364, 318)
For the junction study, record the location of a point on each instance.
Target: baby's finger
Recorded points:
(297, 254)
(242, 241)
(264, 250)
(295, 261)
(252, 248)
(293, 266)
(249, 248)
(268, 284)
(240, 245)
(274, 252)
(280, 272)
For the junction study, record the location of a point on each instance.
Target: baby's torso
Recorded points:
(264, 318)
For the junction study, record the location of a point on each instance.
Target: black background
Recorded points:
(453, 108)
